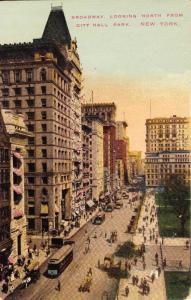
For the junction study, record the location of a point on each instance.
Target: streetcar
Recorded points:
(60, 261)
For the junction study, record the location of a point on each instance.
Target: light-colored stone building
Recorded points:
(168, 149)
(42, 80)
(134, 165)
(96, 156)
(17, 134)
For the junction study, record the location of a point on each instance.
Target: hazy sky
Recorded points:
(129, 65)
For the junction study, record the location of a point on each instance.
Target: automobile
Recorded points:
(58, 242)
(109, 207)
(99, 219)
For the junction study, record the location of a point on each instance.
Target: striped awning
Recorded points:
(17, 155)
(44, 209)
(17, 189)
(17, 172)
(17, 213)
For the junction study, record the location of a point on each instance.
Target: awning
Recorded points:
(17, 213)
(90, 203)
(44, 209)
(17, 189)
(11, 259)
(17, 155)
(56, 208)
(17, 172)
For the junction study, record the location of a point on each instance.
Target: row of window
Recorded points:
(18, 91)
(22, 75)
(58, 167)
(4, 155)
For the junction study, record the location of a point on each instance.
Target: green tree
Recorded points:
(177, 194)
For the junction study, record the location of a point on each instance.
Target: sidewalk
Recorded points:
(42, 253)
(147, 232)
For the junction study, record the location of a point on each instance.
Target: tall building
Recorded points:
(13, 135)
(106, 112)
(167, 149)
(134, 166)
(42, 80)
(96, 157)
(87, 150)
(5, 194)
(122, 149)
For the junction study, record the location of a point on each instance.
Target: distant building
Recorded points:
(42, 80)
(168, 149)
(106, 112)
(96, 157)
(122, 150)
(134, 166)
(14, 136)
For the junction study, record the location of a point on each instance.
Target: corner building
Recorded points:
(168, 149)
(42, 80)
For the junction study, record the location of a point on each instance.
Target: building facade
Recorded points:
(17, 134)
(168, 149)
(122, 149)
(5, 195)
(106, 112)
(134, 165)
(42, 80)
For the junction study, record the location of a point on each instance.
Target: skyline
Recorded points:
(121, 70)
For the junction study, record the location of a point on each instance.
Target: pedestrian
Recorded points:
(90, 271)
(180, 264)
(159, 271)
(162, 240)
(145, 239)
(98, 264)
(156, 256)
(144, 265)
(187, 244)
(126, 291)
(157, 261)
(153, 277)
(156, 241)
(135, 261)
(143, 258)
(105, 235)
(58, 285)
(137, 280)
(129, 266)
(133, 280)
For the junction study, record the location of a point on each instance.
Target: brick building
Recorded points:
(42, 80)
(106, 112)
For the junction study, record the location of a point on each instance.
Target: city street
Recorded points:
(74, 275)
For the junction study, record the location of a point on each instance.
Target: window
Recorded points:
(30, 127)
(29, 75)
(5, 77)
(5, 104)
(31, 224)
(31, 167)
(44, 152)
(17, 103)
(44, 140)
(17, 74)
(43, 89)
(44, 180)
(31, 140)
(31, 180)
(30, 115)
(44, 127)
(44, 167)
(43, 102)
(31, 210)
(44, 192)
(43, 114)
(43, 75)
(5, 92)
(31, 193)
(17, 91)
(30, 103)
(30, 153)
(30, 90)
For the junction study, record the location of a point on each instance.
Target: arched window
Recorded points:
(43, 75)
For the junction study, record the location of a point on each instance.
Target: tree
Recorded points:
(177, 194)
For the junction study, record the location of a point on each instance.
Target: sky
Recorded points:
(144, 61)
